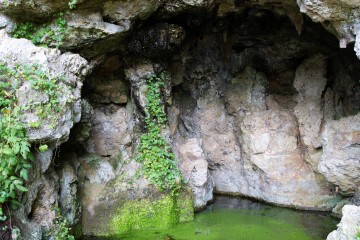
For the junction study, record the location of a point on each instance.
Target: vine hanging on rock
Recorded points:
(159, 163)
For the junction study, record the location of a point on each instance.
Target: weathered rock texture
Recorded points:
(71, 67)
(348, 227)
(261, 102)
(339, 17)
(340, 162)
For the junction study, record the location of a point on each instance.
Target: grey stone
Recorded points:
(159, 40)
(272, 158)
(110, 131)
(195, 171)
(340, 159)
(70, 66)
(310, 82)
(68, 201)
(348, 227)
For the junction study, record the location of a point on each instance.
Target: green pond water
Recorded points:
(242, 219)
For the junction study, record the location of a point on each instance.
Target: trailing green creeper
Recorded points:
(15, 155)
(159, 163)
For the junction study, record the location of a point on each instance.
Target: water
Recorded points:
(241, 219)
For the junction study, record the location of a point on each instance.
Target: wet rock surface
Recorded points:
(261, 102)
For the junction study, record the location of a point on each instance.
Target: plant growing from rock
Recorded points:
(15, 154)
(43, 34)
(60, 229)
(159, 163)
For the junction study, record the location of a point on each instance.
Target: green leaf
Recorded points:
(21, 188)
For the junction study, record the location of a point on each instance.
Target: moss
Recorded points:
(185, 204)
(161, 213)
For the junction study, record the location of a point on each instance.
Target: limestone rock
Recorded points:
(340, 160)
(84, 28)
(129, 10)
(33, 9)
(82, 130)
(310, 82)
(219, 144)
(176, 7)
(110, 131)
(137, 73)
(339, 17)
(348, 227)
(195, 171)
(70, 66)
(337, 210)
(107, 83)
(69, 206)
(159, 40)
(246, 92)
(273, 164)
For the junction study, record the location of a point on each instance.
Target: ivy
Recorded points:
(60, 229)
(159, 163)
(43, 34)
(15, 154)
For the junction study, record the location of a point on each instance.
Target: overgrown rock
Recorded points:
(71, 67)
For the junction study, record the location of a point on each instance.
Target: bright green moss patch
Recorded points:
(162, 213)
(244, 224)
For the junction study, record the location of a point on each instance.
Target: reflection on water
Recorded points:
(230, 218)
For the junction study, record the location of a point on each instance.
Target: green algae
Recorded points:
(238, 219)
(266, 223)
(161, 213)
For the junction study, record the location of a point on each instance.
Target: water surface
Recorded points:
(241, 219)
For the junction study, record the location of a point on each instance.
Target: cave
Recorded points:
(259, 100)
(249, 97)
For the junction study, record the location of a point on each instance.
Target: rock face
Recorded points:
(340, 160)
(195, 171)
(71, 67)
(339, 17)
(274, 166)
(254, 109)
(348, 227)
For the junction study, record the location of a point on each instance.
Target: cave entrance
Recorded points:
(249, 96)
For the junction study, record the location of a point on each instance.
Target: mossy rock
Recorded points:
(160, 213)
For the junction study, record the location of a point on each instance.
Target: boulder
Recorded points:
(348, 228)
(71, 67)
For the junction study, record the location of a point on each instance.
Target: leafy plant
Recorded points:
(60, 229)
(159, 163)
(358, 234)
(43, 148)
(44, 34)
(72, 4)
(15, 155)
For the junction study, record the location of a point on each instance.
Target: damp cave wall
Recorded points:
(262, 106)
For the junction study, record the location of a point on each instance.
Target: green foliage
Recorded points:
(72, 4)
(15, 155)
(43, 148)
(43, 34)
(159, 163)
(60, 229)
(358, 234)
